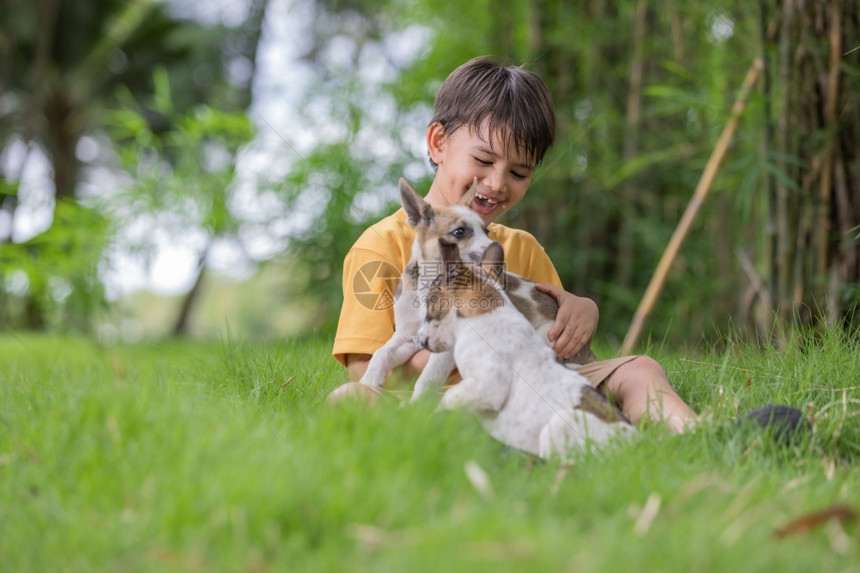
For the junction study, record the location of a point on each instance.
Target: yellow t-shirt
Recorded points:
(371, 273)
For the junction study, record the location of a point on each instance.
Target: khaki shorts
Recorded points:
(598, 372)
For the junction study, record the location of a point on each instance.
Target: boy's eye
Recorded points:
(518, 175)
(483, 161)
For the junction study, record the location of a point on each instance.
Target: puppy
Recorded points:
(459, 225)
(523, 395)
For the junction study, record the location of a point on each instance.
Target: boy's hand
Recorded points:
(575, 323)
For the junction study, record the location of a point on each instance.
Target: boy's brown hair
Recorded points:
(509, 100)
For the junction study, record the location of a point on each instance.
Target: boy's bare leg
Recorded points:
(354, 391)
(642, 389)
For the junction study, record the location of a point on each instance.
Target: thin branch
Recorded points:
(747, 370)
(699, 195)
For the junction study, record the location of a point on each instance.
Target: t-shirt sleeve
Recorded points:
(526, 257)
(542, 269)
(367, 315)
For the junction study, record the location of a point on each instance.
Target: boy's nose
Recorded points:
(494, 181)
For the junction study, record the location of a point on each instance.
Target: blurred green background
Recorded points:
(191, 169)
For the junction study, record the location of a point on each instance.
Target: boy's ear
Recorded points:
(436, 140)
(417, 209)
(469, 198)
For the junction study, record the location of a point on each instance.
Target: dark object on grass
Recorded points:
(840, 512)
(787, 424)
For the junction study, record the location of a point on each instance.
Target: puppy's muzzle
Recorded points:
(422, 341)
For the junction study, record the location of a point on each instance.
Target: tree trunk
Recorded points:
(627, 236)
(180, 327)
(764, 321)
(783, 254)
(815, 252)
(64, 133)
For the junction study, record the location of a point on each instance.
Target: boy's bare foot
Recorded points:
(354, 391)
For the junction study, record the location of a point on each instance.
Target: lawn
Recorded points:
(222, 456)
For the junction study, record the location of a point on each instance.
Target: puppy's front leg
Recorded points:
(435, 373)
(395, 352)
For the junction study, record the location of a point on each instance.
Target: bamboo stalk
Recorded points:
(785, 145)
(704, 185)
(767, 34)
(631, 146)
(677, 33)
(830, 104)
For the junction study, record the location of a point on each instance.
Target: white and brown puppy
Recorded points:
(461, 226)
(457, 224)
(523, 395)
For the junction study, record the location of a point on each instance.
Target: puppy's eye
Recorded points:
(459, 232)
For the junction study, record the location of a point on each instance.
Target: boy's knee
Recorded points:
(641, 375)
(646, 368)
(354, 391)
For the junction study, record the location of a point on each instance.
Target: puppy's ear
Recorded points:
(493, 255)
(469, 198)
(417, 209)
(450, 258)
(493, 261)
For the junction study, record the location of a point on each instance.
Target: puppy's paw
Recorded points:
(446, 403)
(372, 381)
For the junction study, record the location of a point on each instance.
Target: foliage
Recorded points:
(63, 64)
(181, 176)
(642, 91)
(222, 456)
(52, 279)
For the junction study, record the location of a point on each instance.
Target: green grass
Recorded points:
(222, 456)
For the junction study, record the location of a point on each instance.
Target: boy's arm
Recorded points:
(356, 364)
(367, 319)
(575, 323)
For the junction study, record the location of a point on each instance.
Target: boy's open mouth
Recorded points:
(483, 204)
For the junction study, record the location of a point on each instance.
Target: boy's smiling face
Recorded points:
(503, 172)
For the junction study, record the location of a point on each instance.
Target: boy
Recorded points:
(496, 123)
